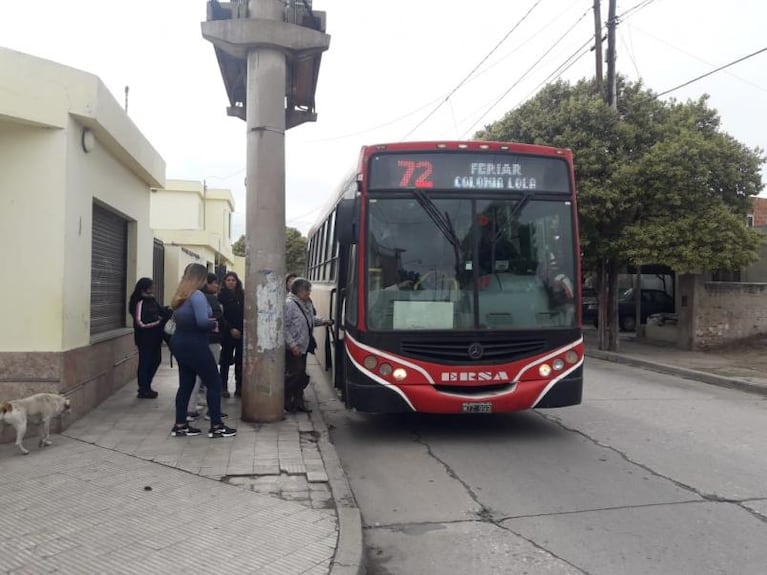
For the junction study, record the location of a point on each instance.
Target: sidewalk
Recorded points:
(117, 494)
(743, 367)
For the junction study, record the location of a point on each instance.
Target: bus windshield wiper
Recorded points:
(442, 221)
(523, 201)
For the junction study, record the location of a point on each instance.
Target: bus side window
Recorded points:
(350, 302)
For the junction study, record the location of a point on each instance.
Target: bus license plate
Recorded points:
(477, 407)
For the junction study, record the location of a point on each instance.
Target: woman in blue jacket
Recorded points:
(192, 314)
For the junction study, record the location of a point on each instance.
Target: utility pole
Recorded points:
(608, 270)
(269, 54)
(598, 45)
(612, 90)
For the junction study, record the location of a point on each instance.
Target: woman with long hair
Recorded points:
(189, 343)
(148, 317)
(232, 298)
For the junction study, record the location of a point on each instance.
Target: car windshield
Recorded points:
(459, 263)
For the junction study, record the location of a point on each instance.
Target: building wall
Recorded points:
(757, 271)
(218, 214)
(100, 177)
(727, 312)
(48, 185)
(759, 211)
(31, 232)
(176, 210)
(176, 260)
(239, 267)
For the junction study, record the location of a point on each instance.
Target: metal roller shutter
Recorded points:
(108, 270)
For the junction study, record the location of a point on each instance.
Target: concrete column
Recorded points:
(264, 344)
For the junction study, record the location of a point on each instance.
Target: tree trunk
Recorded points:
(612, 306)
(608, 306)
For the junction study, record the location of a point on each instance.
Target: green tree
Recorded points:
(659, 182)
(295, 250)
(238, 247)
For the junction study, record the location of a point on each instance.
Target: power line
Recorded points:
(444, 96)
(569, 62)
(530, 69)
(579, 53)
(714, 71)
(462, 82)
(636, 8)
(374, 128)
(694, 57)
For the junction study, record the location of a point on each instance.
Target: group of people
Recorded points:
(206, 341)
(208, 331)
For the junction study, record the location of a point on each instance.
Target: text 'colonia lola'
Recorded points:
(500, 176)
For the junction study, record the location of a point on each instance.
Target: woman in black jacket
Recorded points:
(232, 298)
(148, 320)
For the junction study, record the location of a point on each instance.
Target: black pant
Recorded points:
(231, 353)
(296, 380)
(149, 358)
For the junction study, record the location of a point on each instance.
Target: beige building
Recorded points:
(194, 224)
(75, 180)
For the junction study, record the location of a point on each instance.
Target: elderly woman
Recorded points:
(300, 322)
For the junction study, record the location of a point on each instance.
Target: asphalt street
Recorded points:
(651, 474)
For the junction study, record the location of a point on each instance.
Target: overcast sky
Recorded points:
(390, 63)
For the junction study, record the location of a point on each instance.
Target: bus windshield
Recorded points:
(447, 263)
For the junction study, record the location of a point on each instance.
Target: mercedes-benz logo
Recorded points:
(476, 351)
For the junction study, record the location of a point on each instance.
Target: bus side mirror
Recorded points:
(347, 222)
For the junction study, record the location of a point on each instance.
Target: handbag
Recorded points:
(170, 326)
(312, 345)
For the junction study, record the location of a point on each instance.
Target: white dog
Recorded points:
(39, 408)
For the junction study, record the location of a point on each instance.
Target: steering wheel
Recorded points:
(438, 275)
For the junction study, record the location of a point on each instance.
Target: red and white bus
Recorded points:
(452, 271)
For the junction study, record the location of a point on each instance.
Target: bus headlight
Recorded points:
(370, 362)
(571, 357)
(544, 370)
(385, 369)
(399, 374)
(558, 365)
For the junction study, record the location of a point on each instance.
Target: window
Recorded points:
(459, 263)
(750, 220)
(109, 260)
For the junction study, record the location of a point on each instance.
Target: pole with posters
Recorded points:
(269, 54)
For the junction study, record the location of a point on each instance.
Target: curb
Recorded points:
(349, 556)
(702, 376)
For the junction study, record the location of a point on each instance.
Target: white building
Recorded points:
(194, 223)
(75, 180)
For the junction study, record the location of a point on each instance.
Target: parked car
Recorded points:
(653, 301)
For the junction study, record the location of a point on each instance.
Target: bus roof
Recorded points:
(470, 145)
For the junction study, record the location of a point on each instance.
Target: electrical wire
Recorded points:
(635, 8)
(694, 57)
(714, 71)
(524, 75)
(469, 75)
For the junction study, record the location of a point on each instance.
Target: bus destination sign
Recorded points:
(468, 171)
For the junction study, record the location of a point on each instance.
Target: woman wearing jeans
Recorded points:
(189, 344)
